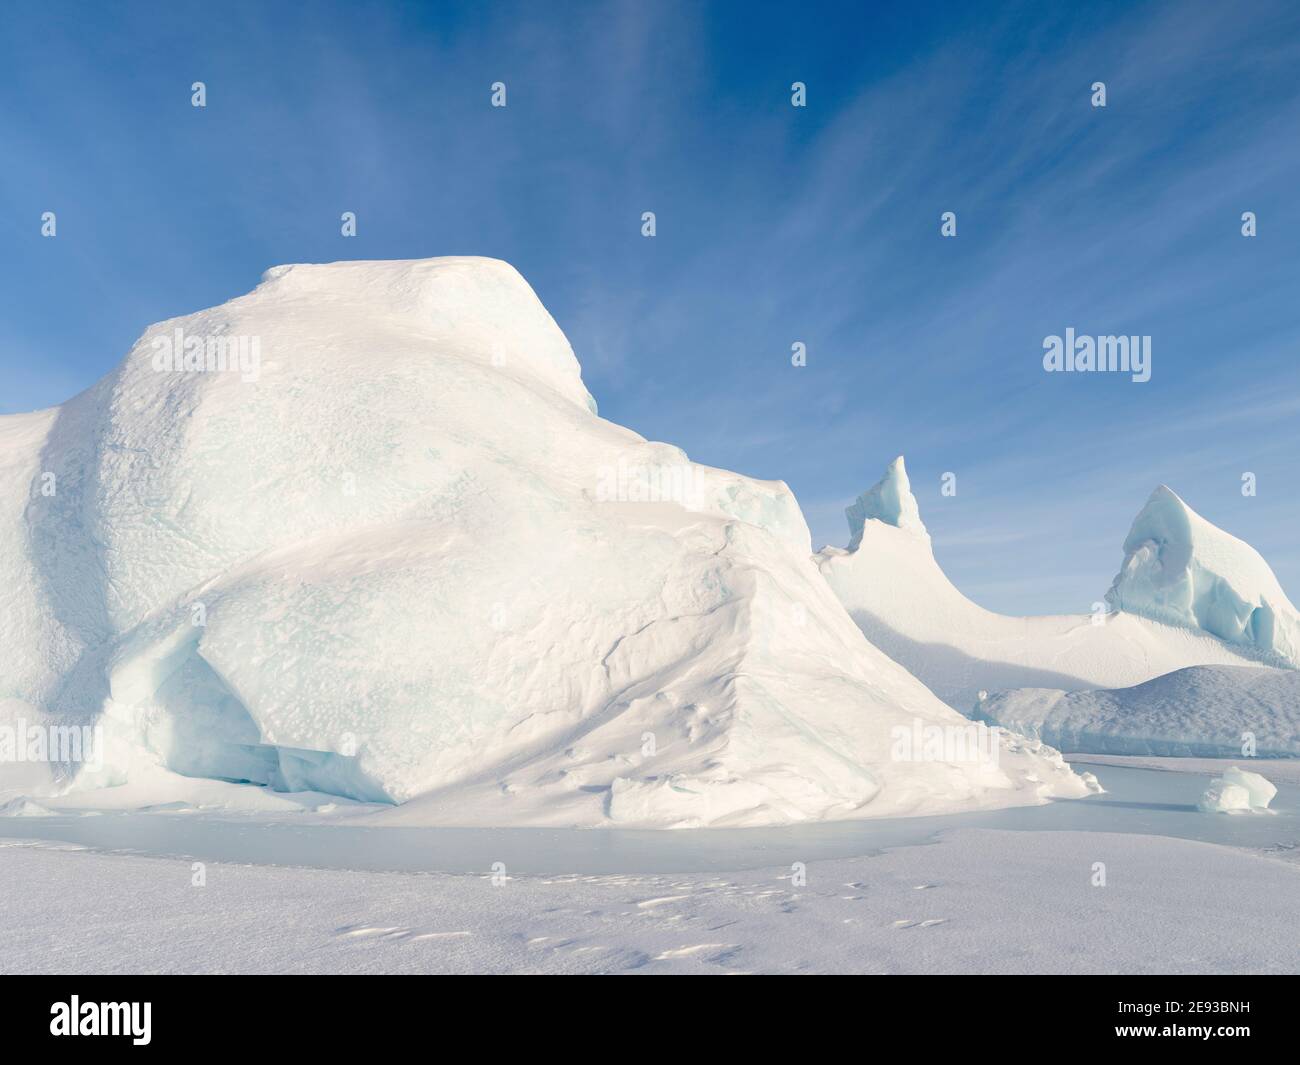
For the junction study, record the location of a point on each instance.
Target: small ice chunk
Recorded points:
(1261, 791)
(1237, 790)
(1224, 798)
(22, 806)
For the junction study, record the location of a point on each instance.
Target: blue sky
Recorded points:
(775, 225)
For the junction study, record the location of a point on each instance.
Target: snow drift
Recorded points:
(1201, 711)
(1184, 598)
(402, 556)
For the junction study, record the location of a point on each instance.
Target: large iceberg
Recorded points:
(1181, 570)
(361, 531)
(894, 588)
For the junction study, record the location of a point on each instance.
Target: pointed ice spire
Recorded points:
(890, 501)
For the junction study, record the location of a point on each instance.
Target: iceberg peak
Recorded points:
(889, 501)
(1183, 570)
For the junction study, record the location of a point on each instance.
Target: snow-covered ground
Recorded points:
(1206, 711)
(977, 901)
(1136, 880)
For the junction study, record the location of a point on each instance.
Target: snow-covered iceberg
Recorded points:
(362, 532)
(1181, 570)
(894, 588)
(1200, 711)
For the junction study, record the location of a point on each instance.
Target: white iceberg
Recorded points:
(405, 559)
(1237, 791)
(1181, 570)
(892, 585)
(1224, 798)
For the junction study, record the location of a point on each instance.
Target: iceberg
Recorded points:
(893, 587)
(1224, 798)
(1181, 570)
(1237, 791)
(402, 559)
(1261, 791)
